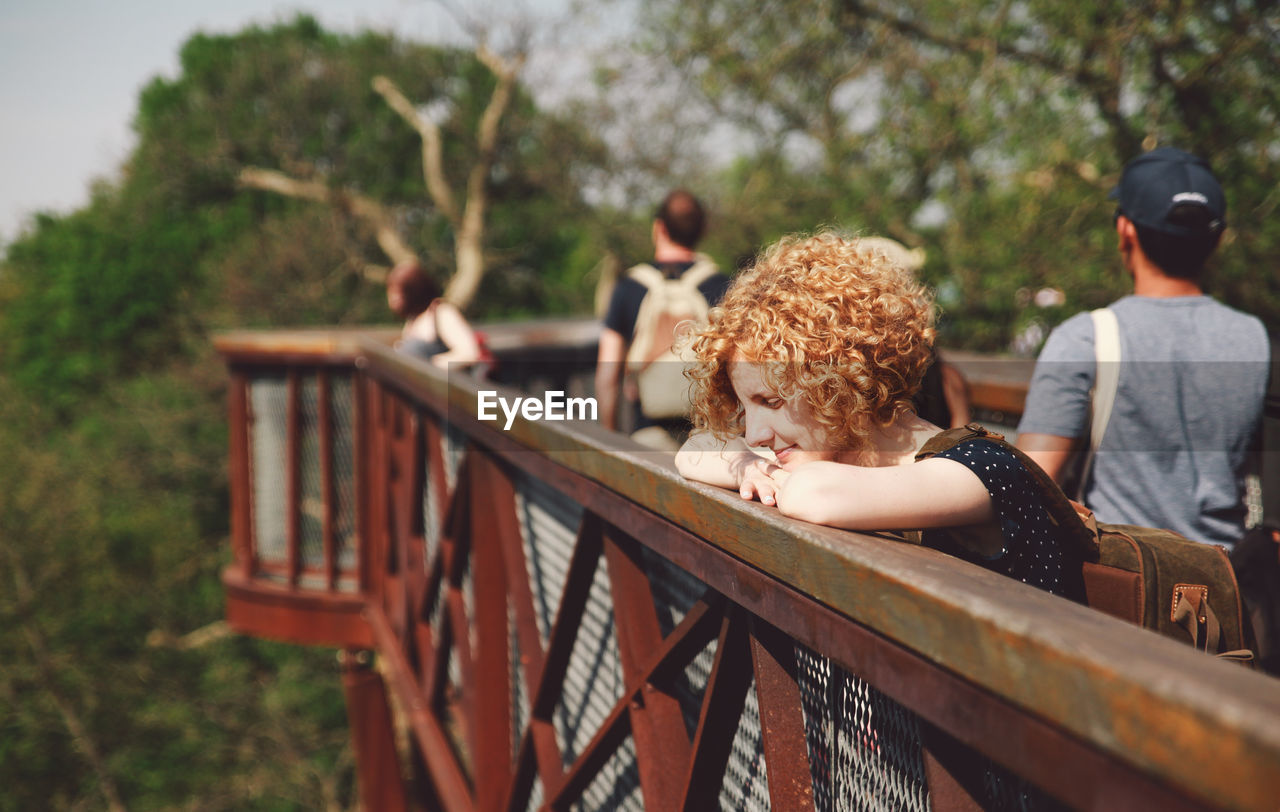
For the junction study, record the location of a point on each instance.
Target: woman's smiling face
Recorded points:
(787, 427)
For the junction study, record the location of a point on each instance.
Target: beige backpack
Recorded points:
(652, 362)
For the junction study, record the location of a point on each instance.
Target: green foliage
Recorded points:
(290, 96)
(175, 249)
(987, 133)
(299, 100)
(112, 533)
(114, 510)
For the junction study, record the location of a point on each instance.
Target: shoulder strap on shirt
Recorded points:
(1062, 511)
(646, 275)
(1106, 352)
(1106, 379)
(949, 438)
(701, 270)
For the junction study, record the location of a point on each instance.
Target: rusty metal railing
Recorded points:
(562, 622)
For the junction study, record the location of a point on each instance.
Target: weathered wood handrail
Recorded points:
(1091, 711)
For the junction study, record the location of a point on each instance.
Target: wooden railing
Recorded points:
(560, 621)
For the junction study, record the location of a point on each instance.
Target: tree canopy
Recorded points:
(988, 132)
(116, 688)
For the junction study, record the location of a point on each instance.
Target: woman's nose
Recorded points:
(756, 428)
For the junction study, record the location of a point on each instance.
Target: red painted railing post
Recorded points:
(241, 520)
(372, 735)
(657, 723)
(493, 737)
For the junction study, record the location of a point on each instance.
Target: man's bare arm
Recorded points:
(955, 391)
(609, 360)
(1049, 451)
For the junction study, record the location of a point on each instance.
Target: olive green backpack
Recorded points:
(1155, 578)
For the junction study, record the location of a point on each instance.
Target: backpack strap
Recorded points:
(1073, 518)
(659, 291)
(647, 275)
(946, 440)
(1106, 354)
(703, 268)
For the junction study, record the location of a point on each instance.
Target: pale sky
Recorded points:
(70, 72)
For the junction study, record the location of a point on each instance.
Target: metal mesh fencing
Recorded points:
(548, 524)
(521, 709)
(268, 462)
(311, 507)
(269, 465)
(616, 786)
(594, 682)
(864, 748)
(343, 415)
(432, 512)
(675, 591)
(746, 781)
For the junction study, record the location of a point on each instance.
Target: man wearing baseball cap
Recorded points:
(1187, 372)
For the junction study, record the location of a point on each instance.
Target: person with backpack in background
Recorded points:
(648, 306)
(1165, 386)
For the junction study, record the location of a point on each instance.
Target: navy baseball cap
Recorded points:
(1157, 181)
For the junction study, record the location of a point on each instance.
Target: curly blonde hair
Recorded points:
(831, 320)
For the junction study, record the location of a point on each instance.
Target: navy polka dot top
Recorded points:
(1034, 550)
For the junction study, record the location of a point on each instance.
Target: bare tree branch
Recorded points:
(364, 208)
(468, 222)
(432, 150)
(469, 240)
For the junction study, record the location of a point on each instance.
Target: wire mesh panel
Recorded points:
(343, 418)
(864, 748)
(268, 459)
(674, 593)
(617, 786)
(311, 507)
(746, 782)
(535, 796)
(432, 530)
(549, 524)
(455, 447)
(432, 510)
(520, 701)
(594, 681)
(468, 602)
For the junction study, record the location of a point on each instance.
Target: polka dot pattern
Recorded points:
(1032, 550)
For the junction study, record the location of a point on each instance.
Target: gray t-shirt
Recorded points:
(1193, 373)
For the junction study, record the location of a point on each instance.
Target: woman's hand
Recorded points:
(759, 481)
(800, 494)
